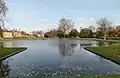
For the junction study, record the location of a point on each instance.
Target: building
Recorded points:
(41, 34)
(7, 34)
(11, 34)
(17, 34)
(37, 34)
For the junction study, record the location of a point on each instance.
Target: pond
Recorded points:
(56, 57)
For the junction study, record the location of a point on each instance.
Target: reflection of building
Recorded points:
(11, 44)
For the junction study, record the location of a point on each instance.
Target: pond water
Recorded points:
(55, 57)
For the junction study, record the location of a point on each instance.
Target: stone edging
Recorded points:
(7, 56)
(102, 56)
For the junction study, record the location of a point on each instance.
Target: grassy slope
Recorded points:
(6, 51)
(111, 52)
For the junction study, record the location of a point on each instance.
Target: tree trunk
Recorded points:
(105, 36)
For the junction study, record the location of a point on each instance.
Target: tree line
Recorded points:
(103, 30)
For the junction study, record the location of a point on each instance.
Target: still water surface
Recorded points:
(56, 57)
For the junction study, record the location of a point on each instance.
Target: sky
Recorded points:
(30, 15)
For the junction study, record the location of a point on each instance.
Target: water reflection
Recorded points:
(4, 69)
(64, 43)
(1, 44)
(85, 45)
(99, 43)
(67, 49)
(11, 44)
(55, 57)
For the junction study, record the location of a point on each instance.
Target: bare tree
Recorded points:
(92, 28)
(66, 25)
(104, 26)
(3, 11)
(118, 27)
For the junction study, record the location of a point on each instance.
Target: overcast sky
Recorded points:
(43, 14)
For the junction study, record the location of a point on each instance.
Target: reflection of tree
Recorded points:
(100, 43)
(73, 45)
(85, 45)
(1, 44)
(4, 69)
(67, 49)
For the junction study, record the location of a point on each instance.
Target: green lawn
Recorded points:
(7, 52)
(111, 52)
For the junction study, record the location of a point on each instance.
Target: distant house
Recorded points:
(17, 34)
(7, 34)
(11, 34)
(41, 34)
(37, 33)
(26, 36)
(20, 34)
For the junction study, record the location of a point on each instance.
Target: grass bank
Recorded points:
(111, 52)
(7, 52)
